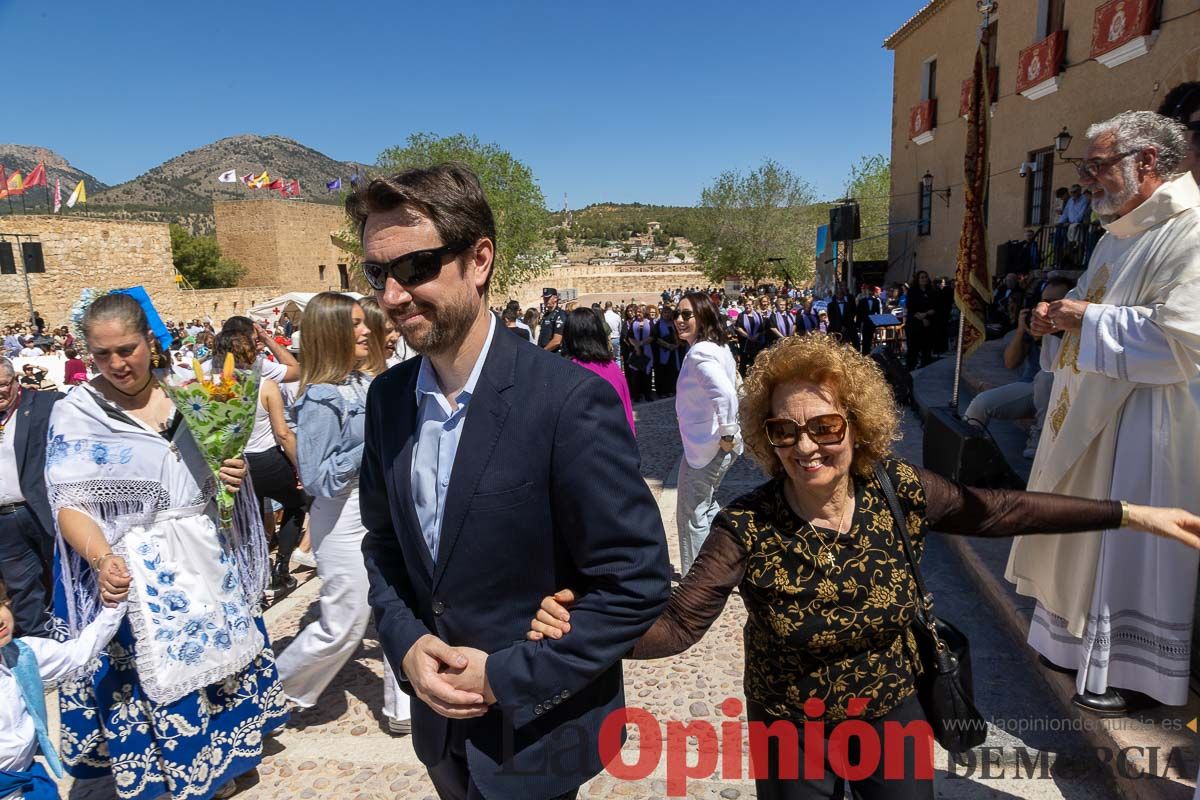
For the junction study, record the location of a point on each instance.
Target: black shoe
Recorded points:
(281, 580)
(1109, 704)
(1050, 665)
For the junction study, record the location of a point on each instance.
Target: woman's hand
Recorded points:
(233, 471)
(114, 580)
(552, 618)
(1170, 523)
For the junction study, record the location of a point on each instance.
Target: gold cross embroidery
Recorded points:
(1068, 355)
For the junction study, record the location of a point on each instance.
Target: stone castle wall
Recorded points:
(283, 242)
(89, 252)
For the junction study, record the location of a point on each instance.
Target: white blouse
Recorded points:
(56, 660)
(706, 402)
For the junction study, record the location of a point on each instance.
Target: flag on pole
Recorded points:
(36, 176)
(228, 176)
(354, 179)
(248, 179)
(77, 196)
(972, 283)
(3, 183)
(334, 185)
(294, 187)
(16, 185)
(275, 184)
(57, 195)
(261, 180)
(285, 188)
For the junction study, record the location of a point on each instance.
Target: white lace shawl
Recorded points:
(121, 473)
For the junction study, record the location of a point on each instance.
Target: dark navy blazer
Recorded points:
(545, 493)
(30, 449)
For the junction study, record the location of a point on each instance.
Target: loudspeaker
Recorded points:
(963, 451)
(843, 223)
(8, 266)
(31, 254)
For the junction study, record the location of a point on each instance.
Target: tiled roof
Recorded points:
(913, 23)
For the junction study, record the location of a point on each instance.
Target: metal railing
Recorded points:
(1067, 247)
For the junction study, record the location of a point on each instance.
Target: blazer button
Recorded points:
(538, 709)
(439, 608)
(564, 695)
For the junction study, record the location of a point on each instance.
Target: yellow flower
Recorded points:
(826, 591)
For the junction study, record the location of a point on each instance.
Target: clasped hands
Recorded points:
(450, 680)
(1061, 315)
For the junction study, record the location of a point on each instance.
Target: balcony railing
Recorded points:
(1061, 247)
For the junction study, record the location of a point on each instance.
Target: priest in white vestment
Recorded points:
(1123, 423)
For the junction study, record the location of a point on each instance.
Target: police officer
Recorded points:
(550, 329)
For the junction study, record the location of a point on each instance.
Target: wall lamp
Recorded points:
(927, 182)
(1061, 143)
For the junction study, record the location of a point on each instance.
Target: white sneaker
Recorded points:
(304, 558)
(399, 727)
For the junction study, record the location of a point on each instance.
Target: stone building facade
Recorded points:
(284, 243)
(89, 252)
(1056, 64)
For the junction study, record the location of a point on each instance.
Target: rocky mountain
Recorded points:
(22, 158)
(182, 189)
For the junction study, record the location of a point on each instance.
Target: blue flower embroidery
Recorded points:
(56, 448)
(230, 582)
(175, 600)
(100, 453)
(166, 578)
(164, 635)
(193, 628)
(222, 641)
(190, 652)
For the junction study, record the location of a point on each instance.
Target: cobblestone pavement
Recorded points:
(340, 748)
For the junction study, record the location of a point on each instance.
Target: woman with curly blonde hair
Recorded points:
(820, 565)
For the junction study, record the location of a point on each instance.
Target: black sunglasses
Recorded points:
(685, 314)
(822, 429)
(412, 268)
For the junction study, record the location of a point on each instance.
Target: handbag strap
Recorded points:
(925, 601)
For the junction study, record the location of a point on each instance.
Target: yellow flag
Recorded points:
(77, 196)
(16, 185)
(262, 180)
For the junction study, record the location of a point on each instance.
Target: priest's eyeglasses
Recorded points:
(412, 268)
(823, 429)
(1091, 167)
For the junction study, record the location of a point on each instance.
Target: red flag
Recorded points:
(37, 176)
(285, 189)
(295, 188)
(972, 282)
(3, 183)
(275, 184)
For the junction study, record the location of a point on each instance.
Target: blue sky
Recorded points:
(618, 101)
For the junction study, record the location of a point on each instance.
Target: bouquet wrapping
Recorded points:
(219, 411)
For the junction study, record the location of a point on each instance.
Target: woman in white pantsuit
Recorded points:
(329, 444)
(706, 406)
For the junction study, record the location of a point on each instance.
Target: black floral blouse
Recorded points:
(830, 615)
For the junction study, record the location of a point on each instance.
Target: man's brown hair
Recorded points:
(450, 195)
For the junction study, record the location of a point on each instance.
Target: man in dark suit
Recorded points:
(494, 474)
(26, 525)
(871, 304)
(842, 316)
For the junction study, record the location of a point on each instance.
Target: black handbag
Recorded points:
(944, 688)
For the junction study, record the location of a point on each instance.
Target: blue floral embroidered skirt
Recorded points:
(190, 747)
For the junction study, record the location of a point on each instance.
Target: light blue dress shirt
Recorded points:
(439, 429)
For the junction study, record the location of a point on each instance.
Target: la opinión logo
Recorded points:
(823, 745)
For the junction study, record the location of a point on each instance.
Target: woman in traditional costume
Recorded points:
(182, 699)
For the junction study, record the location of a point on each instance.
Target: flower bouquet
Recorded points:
(219, 411)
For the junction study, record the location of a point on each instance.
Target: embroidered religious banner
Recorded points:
(1119, 22)
(1041, 61)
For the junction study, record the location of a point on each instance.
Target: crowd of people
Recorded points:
(454, 470)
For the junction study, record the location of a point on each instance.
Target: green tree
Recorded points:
(198, 260)
(522, 252)
(755, 226)
(560, 240)
(870, 182)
